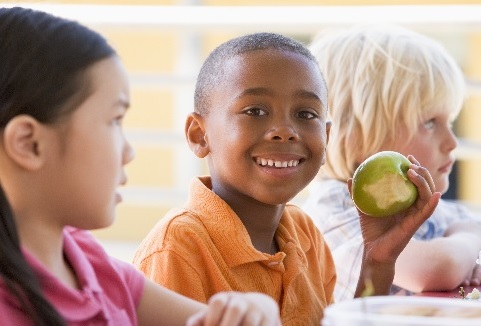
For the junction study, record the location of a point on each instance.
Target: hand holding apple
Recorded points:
(380, 185)
(385, 238)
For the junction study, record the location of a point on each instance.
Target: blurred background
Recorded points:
(163, 44)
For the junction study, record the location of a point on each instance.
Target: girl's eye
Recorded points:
(118, 120)
(308, 115)
(255, 112)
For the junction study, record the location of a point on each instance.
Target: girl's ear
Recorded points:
(195, 134)
(21, 142)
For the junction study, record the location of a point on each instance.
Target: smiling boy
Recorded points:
(260, 121)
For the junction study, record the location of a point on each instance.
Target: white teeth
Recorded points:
(277, 164)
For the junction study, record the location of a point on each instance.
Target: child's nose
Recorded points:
(451, 142)
(284, 132)
(128, 153)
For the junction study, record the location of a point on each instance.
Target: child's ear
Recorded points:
(328, 130)
(195, 134)
(21, 143)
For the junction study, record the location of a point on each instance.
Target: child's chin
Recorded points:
(442, 186)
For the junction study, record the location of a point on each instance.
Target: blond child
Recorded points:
(260, 121)
(63, 96)
(392, 89)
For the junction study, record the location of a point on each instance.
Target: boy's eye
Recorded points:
(255, 112)
(430, 124)
(308, 115)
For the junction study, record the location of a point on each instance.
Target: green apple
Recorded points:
(380, 186)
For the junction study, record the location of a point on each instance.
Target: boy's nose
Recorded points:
(451, 141)
(284, 132)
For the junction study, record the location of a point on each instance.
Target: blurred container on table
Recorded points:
(403, 311)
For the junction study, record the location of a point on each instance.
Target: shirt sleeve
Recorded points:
(335, 215)
(110, 270)
(169, 269)
(446, 213)
(134, 279)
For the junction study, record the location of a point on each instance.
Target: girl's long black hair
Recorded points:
(43, 63)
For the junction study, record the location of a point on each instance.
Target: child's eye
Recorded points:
(308, 115)
(255, 112)
(118, 120)
(430, 124)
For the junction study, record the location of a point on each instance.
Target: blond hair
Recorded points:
(381, 79)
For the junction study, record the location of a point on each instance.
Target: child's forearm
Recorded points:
(473, 227)
(374, 279)
(437, 264)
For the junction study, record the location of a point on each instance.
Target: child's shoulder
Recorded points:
(179, 220)
(296, 211)
(177, 225)
(299, 217)
(301, 226)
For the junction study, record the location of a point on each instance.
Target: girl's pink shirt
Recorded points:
(110, 290)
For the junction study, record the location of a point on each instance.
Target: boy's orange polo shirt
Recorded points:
(204, 249)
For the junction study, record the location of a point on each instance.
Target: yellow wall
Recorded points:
(272, 2)
(154, 52)
(469, 124)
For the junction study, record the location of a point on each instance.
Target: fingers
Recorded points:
(220, 312)
(476, 277)
(421, 177)
(213, 315)
(234, 308)
(425, 207)
(267, 310)
(428, 198)
(197, 319)
(235, 312)
(420, 170)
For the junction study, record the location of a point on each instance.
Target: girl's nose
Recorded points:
(128, 153)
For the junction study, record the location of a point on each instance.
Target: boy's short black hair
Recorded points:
(212, 70)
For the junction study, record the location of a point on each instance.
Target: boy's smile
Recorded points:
(277, 164)
(266, 128)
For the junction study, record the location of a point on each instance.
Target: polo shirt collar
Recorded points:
(214, 212)
(76, 304)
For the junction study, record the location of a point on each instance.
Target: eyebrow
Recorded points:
(308, 95)
(266, 91)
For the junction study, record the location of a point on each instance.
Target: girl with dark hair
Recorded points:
(63, 96)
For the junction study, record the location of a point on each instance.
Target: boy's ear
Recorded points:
(195, 134)
(328, 130)
(21, 143)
